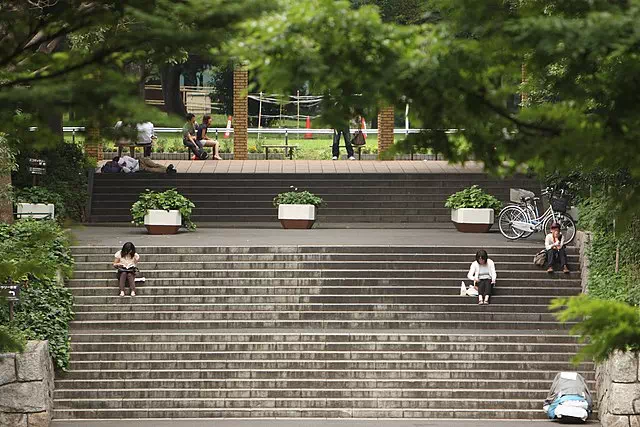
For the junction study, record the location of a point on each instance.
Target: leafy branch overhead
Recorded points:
(465, 69)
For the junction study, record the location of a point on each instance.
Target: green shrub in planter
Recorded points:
(473, 197)
(41, 195)
(296, 197)
(166, 201)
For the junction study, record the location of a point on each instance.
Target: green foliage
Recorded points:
(41, 195)
(66, 175)
(609, 325)
(166, 200)
(11, 339)
(296, 197)
(36, 254)
(473, 197)
(462, 71)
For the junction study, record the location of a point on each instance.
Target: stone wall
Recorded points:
(582, 242)
(618, 385)
(26, 387)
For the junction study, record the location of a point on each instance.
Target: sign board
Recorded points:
(10, 292)
(37, 171)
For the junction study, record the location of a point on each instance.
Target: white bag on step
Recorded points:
(463, 289)
(472, 291)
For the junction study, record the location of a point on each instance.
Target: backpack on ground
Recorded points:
(540, 258)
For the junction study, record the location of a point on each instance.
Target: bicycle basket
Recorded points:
(559, 205)
(517, 194)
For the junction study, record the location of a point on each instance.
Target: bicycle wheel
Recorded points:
(567, 226)
(505, 222)
(531, 213)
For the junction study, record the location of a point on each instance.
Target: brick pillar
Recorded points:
(93, 143)
(385, 129)
(6, 206)
(240, 113)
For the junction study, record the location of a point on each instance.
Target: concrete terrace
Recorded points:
(320, 166)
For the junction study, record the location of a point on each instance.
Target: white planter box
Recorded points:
(306, 212)
(297, 216)
(473, 220)
(36, 210)
(163, 222)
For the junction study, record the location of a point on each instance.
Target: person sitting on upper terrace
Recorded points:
(204, 139)
(190, 140)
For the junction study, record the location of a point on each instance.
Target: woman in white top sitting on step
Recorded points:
(126, 261)
(483, 274)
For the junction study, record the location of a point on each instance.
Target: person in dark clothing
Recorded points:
(346, 134)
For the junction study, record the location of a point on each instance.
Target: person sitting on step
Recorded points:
(204, 139)
(556, 253)
(126, 261)
(483, 274)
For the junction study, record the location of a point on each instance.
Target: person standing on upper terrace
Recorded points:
(483, 274)
(346, 134)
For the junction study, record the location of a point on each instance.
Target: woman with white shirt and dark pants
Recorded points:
(483, 274)
(554, 245)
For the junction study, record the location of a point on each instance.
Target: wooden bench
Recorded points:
(146, 152)
(357, 148)
(288, 150)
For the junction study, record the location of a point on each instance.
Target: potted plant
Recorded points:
(297, 209)
(163, 212)
(38, 203)
(473, 210)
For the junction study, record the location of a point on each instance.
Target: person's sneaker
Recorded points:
(133, 293)
(217, 157)
(352, 158)
(334, 158)
(550, 270)
(122, 293)
(565, 270)
(171, 169)
(194, 157)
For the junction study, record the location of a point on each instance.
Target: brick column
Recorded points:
(385, 129)
(93, 143)
(240, 113)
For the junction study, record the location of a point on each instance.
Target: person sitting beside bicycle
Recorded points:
(556, 253)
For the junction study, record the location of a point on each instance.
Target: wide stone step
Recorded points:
(509, 248)
(331, 316)
(372, 374)
(134, 355)
(144, 296)
(378, 265)
(304, 385)
(278, 393)
(152, 324)
(327, 413)
(320, 273)
(109, 280)
(308, 291)
(398, 339)
(468, 306)
(502, 259)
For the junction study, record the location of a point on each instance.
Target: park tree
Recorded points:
(80, 55)
(463, 70)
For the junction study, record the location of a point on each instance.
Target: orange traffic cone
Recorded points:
(226, 134)
(308, 126)
(364, 127)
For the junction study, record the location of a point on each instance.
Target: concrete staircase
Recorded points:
(323, 332)
(350, 198)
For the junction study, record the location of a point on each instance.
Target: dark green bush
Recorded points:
(37, 255)
(66, 175)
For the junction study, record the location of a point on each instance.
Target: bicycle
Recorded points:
(522, 219)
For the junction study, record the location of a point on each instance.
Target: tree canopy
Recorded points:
(464, 70)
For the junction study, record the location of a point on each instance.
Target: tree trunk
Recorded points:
(170, 78)
(6, 206)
